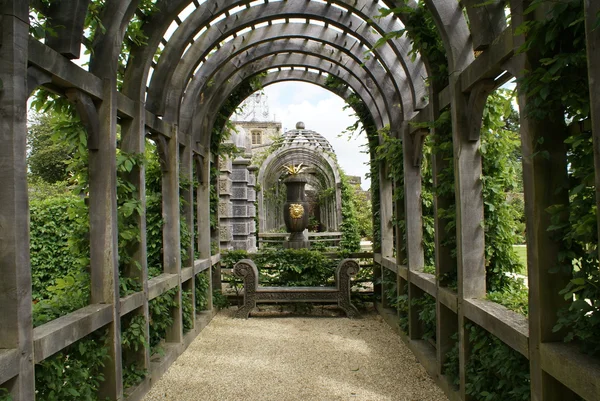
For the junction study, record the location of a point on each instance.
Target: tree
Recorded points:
(48, 156)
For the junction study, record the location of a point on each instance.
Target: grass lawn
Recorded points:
(522, 253)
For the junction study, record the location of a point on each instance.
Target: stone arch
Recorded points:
(323, 164)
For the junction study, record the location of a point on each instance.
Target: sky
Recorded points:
(323, 112)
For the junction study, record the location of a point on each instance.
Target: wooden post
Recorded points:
(171, 228)
(187, 193)
(469, 217)
(544, 181)
(15, 285)
(592, 16)
(133, 140)
(385, 208)
(103, 233)
(203, 213)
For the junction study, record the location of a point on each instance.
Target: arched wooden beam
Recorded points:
(221, 30)
(388, 96)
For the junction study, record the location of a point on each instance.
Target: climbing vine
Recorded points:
(75, 372)
(495, 371)
(557, 90)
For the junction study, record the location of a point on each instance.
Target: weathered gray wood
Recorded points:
(203, 230)
(132, 302)
(486, 21)
(133, 140)
(415, 325)
(66, 19)
(200, 265)
(573, 368)
(445, 329)
(66, 330)
(169, 154)
(15, 273)
(9, 364)
(413, 204)
(161, 284)
(88, 116)
(253, 292)
(104, 268)
(469, 215)
(448, 298)
(510, 327)
(544, 180)
(490, 62)
(592, 15)
(36, 77)
(424, 281)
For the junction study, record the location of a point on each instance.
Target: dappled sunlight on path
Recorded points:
(296, 358)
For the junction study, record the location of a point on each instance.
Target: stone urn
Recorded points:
(295, 212)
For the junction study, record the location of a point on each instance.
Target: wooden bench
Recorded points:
(253, 293)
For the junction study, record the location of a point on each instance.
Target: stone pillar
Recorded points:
(240, 199)
(225, 205)
(252, 208)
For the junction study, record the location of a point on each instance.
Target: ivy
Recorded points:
(161, 317)
(187, 309)
(557, 90)
(395, 300)
(288, 267)
(350, 227)
(133, 339)
(427, 315)
(451, 368)
(495, 371)
(202, 286)
(75, 372)
(5, 395)
(420, 27)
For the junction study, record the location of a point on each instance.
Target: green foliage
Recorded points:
(288, 267)
(69, 294)
(350, 226)
(558, 91)
(495, 371)
(129, 211)
(427, 315)
(421, 29)
(59, 258)
(451, 368)
(202, 287)
(48, 154)
(560, 81)
(515, 296)
(220, 301)
(397, 301)
(187, 309)
(52, 224)
(5, 395)
(161, 311)
(498, 140)
(74, 373)
(133, 339)
(364, 123)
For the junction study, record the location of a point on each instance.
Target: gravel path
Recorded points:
(296, 358)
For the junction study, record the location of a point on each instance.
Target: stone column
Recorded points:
(252, 208)
(225, 205)
(240, 199)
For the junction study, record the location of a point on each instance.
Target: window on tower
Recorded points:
(256, 138)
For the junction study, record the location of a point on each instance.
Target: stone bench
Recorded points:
(253, 293)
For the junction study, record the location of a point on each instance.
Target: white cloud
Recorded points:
(323, 112)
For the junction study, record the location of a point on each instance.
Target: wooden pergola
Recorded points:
(173, 87)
